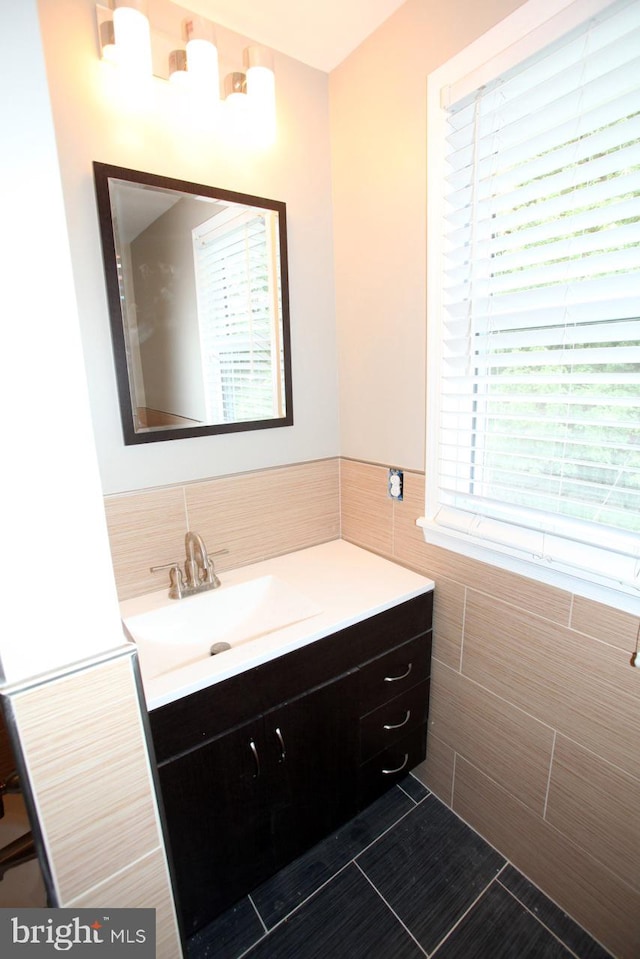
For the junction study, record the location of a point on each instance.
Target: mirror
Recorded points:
(198, 297)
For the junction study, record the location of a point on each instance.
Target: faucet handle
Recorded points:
(175, 578)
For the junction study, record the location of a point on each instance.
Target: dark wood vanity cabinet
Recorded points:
(257, 768)
(254, 798)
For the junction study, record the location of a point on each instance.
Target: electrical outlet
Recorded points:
(395, 484)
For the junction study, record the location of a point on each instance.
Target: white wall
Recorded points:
(378, 132)
(58, 594)
(95, 119)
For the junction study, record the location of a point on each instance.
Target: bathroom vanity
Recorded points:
(256, 766)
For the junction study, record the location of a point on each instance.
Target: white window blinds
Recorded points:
(239, 311)
(538, 425)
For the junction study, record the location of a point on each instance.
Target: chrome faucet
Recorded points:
(199, 574)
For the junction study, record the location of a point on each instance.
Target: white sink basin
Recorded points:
(184, 630)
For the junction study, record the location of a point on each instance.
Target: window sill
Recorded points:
(624, 598)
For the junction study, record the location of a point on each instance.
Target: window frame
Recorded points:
(531, 27)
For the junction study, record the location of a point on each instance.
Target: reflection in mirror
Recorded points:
(199, 306)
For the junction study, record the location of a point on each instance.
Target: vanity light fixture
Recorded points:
(186, 52)
(132, 34)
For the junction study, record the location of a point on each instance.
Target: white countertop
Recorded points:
(347, 584)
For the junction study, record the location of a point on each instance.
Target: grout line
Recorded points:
(416, 802)
(453, 780)
(351, 862)
(539, 920)
(295, 909)
(465, 914)
(257, 913)
(570, 619)
(389, 828)
(546, 795)
(462, 628)
(391, 909)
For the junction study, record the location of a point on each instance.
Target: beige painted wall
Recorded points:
(96, 120)
(378, 141)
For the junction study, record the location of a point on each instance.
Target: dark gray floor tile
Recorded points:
(430, 868)
(499, 927)
(552, 916)
(414, 788)
(278, 896)
(346, 919)
(227, 936)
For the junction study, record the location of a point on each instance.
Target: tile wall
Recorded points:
(82, 743)
(535, 715)
(252, 516)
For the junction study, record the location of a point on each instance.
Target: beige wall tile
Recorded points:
(366, 508)
(408, 541)
(578, 685)
(448, 618)
(596, 898)
(252, 515)
(143, 885)
(436, 772)
(508, 745)
(145, 529)
(603, 622)
(596, 805)
(267, 513)
(84, 746)
(410, 548)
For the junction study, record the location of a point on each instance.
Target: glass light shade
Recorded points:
(261, 91)
(202, 60)
(133, 36)
(202, 55)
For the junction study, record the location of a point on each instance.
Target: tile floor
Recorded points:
(403, 880)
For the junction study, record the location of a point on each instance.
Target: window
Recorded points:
(533, 425)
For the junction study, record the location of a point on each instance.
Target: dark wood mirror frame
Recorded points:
(103, 175)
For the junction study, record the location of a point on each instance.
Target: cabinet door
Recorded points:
(312, 744)
(215, 801)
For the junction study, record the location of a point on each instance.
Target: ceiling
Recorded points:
(320, 33)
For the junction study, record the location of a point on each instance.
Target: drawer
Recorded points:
(392, 721)
(390, 675)
(391, 765)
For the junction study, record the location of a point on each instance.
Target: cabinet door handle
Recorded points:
(394, 679)
(283, 751)
(254, 750)
(390, 772)
(404, 722)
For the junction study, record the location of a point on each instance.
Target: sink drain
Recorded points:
(219, 648)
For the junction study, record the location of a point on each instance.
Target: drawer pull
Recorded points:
(394, 679)
(254, 751)
(404, 722)
(283, 751)
(391, 772)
